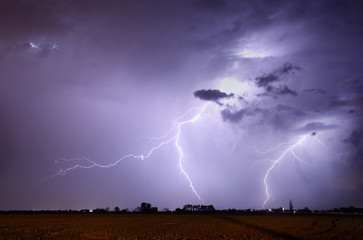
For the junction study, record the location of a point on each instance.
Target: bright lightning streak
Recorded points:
(33, 45)
(42, 47)
(181, 151)
(169, 137)
(290, 149)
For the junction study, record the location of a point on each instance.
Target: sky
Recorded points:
(239, 104)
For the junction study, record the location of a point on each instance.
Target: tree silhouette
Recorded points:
(146, 207)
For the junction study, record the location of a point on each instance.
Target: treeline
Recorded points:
(196, 208)
(189, 208)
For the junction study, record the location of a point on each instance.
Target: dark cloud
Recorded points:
(233, 116)
(32, 18)
(354, 86)
(285, 90)
(355, 138)
(213, 95)
(267, 81)
(264, 94)
(314, 90)
(212, 5)
(279, 116)
(316, 126)
(291, 111)
(346, 102)
(276, 75)
(354, 83)
(281, 90)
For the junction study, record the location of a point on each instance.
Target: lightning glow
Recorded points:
(44, 47)
(167, 138)
(173, 135)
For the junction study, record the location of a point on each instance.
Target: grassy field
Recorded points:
(173, 226)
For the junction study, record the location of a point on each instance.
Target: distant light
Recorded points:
(90, 210)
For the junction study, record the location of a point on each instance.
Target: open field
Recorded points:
(175, 226)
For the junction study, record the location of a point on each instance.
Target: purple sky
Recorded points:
(276, 89)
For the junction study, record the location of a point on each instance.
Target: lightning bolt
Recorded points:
(290, 149)
(181, 152)
(33, 45)
(167, 138)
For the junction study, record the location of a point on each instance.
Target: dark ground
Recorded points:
(179, 226)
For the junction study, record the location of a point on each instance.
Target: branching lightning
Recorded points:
(167, 138)
(181, 153)
(290, 149)
(173, 135)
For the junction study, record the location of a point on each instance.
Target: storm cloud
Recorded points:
(346, 102)
(90, 82)
(231, 116)
(213, 95)
(276, 75)
(313, 90)
(267, 81)
(316, 126)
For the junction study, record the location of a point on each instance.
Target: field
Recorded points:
(183, 226)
